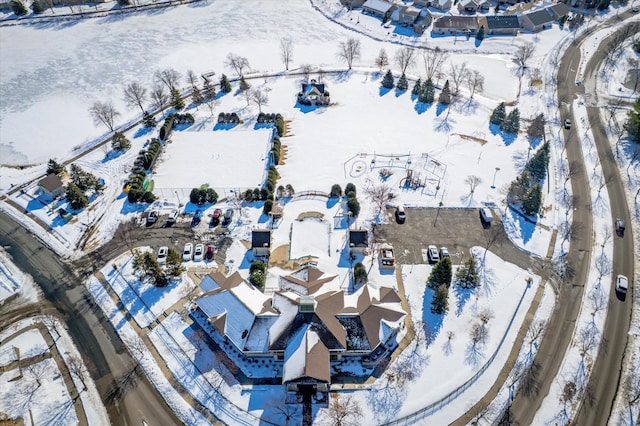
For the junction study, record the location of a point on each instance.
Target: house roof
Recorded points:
(306, 357)
(502, 22)
(457, 22)
(379, 6)
(539, 17)
(558, 10)
(316, 89)
(260, 238)
(309, 278)
(358, 237)
(51, 183)
(410, 11)
(469, 3)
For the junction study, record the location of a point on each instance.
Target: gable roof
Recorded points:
(306, 357)
(380, 6)
(558, 10)
(457, 22)
(309, 278)
(539, 17)
(50, 183)
(309, 89)
(260, 238)
(502, 22)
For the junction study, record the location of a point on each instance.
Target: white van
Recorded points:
(486, 215)
(622, 284)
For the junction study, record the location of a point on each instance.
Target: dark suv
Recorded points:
(620, 225)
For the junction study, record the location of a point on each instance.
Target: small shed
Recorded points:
(261, 242)
(358, 240)
(52, 185)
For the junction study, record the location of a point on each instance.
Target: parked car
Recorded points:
(567, 124)
(444, 252)
(400, 214)
(196, 218)
(209, 254)
(215, 217)
(486, 215)
(228, 217)
(64, 214)
(198, 253)
(162, 255)
(622, 284)
(173, 216)
(152, 217)
(187, 253)
(432, 253)
(620, 226)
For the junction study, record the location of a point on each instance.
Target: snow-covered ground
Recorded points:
(14, 283)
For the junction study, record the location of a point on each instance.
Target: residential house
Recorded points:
(455, 25)
(313, 93)
(408, 15)
(52, 185)
(424, 21)
(536, 21)
(558, 11)
(358, 241)
(500, 24)
(421, 3)
(468, 6)
(261, 242)
(441, 4)
(380, 8)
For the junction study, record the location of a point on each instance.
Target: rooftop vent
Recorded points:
(307, 305)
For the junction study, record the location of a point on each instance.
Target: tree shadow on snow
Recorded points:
(399, 92)
(534, 142)
(384, 90)
(494, 129)
(305, 109)
(441, 108)
(462, 297)
(224, 126)
(508, 138)
(421, 107)
(142, 131)
(432, 321)
(520, 159)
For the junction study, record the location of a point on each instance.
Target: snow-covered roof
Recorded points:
(380, 6)
(306, 357)
(539, 17)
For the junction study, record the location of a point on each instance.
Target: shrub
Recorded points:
(353, 206)
(225, 86)
(258, 273)
(467, 275)
(279, 125)
(268, 206)
(18, 8)
(498, 114)
(403, 84)
(360, 276)
(336, 191)
(387, 81)
(350, 188)
(76, 198)
(248, 195)
(119, 142)
(290, 191)
(203, 195)
(37, 7)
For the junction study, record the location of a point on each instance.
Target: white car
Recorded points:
(432, 252)
(173, 216)
(187, 253)
(622, 284)
(198, 254)
(162, 255)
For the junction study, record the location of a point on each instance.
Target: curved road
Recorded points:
(137, 400)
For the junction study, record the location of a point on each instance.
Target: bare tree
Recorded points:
(286, 51)
(136, 346)
(38, 372)
(382, 60)
(52, 325)
(306, 71)
(458, 74)
(192, 78)
(380, 195)
(631, 386)
(473, 181)
(480, 411)
(433, 60)
(211, 103)
(475, 82)
(349, 51)
(598, 300)
(523, 53)
(260, 98)
(474, 350)
(290, 413)
(447, 346)
(237, 63)
(76, 368)
(535, 330)
(603, 264)
(104, 113)
(135, 95)
(169, 77)
(405, 57)
(159, 97)
(344, 410)
(587, 339)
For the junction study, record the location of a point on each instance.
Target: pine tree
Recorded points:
(417, 88)
(176, 100)
(119, 142)
(360, 275)
(537, 165)
(387, 81)
(209, 92)
(511, 123)
(18, 8)
(196, 96)
(480, 34)
(225, 86)
(427, 95)
(244, 85)
(403, 84)
(632, 125)
(445, 95)
(532, 201)
(37, 7)
(498, 114)
(76, 198)
(148, 120)
(536, 128)
(54, 167)
(174, 263)
(440, 301)
(467, 275)
(440, 274)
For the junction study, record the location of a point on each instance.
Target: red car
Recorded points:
(215, 217)
(209, 254)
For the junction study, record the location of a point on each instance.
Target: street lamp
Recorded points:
(178, 197)
(493, 185)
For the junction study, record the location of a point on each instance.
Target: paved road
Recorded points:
(91, 331)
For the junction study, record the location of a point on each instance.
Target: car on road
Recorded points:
(162, 255)
(485, 215)
(173, 216)
(620, 226)
(198, 253)
(152, 217)
(444, 252)
(567, 124)
(187, 253)
(400, 214)
(209, 254)
(622, 284)
(196, 218)
(635, 9)
(432, 253)
(228, 217)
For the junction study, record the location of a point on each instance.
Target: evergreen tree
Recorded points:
(76, 198)
(148, 120)
(536, 128)
(174, 263)
(258, 273)
(244, 85)
(119, 142)
(417, 88)
(537, 165)
(467, 275)
(360, 276)
(225, 86)
(445, 95)
(267, 207)
(37, 7)
(511, 123)
(336, 191)
(498, 114)
(84, 180)
(440, 274)
(532, 201)
(403, 84)
(353, 206)
(480, 33)
(209, 92)
(632, 125)
(54, 167)
(18, 8)
(519, 188)
(387, 81)
(427, 95)
(196, 96)
(350, 188)
(176, 100)
(440, 301)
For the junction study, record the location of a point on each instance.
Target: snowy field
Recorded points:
(14, 283)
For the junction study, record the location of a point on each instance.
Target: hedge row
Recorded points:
(165, 130)
(228, 118)
(268, 118)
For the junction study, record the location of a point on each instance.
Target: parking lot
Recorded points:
(456, 229)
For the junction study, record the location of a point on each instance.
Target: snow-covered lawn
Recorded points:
(143, 300)
(25, 345)
(14, 283)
